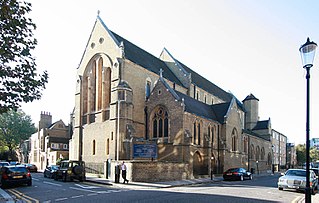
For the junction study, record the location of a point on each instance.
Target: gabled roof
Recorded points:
(221, 110)
(145, 59)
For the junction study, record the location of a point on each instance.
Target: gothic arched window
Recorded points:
(160, 123)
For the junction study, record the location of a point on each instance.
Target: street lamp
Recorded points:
(307, 52)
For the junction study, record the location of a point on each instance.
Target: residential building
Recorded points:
(50, 143)
(291, 155)
(279, 146)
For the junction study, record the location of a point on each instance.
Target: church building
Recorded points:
(162, 118)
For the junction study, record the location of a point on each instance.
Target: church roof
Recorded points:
(261, 125)
(145, 59)
(196, 107)
(205, 84)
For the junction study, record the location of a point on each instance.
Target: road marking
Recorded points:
(23, 196)
(61, 199)
(6, 196)
(91, 194)
(85, 190)
(73, 197)
(87, 186)
(35, 179)
(50, 183)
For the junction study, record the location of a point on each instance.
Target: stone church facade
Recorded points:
(125, 98)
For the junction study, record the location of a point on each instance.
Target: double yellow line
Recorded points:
(23, 196)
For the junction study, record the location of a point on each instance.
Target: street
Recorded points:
(261, 189)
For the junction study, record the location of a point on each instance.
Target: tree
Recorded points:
(314, 154)
(301, 154)
(19, 81)
(15, 127)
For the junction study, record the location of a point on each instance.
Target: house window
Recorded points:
(93, 147)
(160, 123)
(65, 146)
(54, 146)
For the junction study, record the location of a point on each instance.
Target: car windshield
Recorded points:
(296, 173)
(55, 167)
(17, 169)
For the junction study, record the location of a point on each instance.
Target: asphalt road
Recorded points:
(261, 189)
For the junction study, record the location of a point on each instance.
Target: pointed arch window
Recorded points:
(160, 123)
(234, 140)
(148, 89)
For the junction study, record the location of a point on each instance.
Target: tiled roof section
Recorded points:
(261, 125)
(221, 110)
(196, 107)
(145, 59)
(205, 84)
(250, 97)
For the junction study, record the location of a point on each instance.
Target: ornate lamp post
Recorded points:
(307, 52)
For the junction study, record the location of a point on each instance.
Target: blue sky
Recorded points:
(243, 46)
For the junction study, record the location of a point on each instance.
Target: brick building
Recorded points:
(50, 143)
(165, 120)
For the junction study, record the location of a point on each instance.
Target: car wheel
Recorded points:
(44, 175)
(77, 170)
(241, 178)
(250, 177)
(53, 175)
(280, 188)
(56, 177)
(30, 183)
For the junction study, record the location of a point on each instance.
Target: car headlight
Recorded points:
(281, 180)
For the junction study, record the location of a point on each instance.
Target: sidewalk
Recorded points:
(167, 184)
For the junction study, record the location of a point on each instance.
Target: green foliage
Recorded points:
(314, 154)
(301, 154)
(15, 127)
(19, 81)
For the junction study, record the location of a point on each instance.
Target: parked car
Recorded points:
(316, 170)
(31, 167)
(70, 170)
(4, 163)
(50, 171)
(296, 179)
(15, 175)
(237, 174)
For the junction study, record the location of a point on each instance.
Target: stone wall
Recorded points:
(159, 171)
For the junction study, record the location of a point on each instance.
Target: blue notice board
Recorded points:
(145, 151)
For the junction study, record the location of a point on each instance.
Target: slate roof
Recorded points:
(250, 97)
(205, 84)
(196, 107)
(214, 112)
(145, 59)
(261, 125)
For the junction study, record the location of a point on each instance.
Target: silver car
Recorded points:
(296, 179)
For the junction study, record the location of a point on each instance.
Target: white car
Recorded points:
(296, 179)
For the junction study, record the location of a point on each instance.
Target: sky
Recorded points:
(242, 46)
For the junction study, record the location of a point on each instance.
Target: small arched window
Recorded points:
(234, 138)
(148, 89)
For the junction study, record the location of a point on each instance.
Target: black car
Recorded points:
(237, 174)
(15, 175)
(50, 171)
(70, 170)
